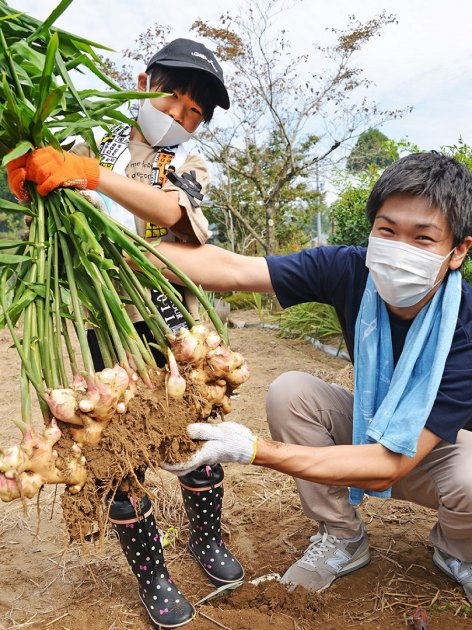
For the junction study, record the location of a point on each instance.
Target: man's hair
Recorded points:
(442, 180)
(196, 84)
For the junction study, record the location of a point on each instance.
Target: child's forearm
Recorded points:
(146, 202)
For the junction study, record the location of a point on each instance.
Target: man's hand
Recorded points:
(225, 442)
(16, 173)
(49, 169)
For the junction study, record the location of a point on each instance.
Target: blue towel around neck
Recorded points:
(392, 404)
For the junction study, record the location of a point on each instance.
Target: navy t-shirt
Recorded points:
(337, 275)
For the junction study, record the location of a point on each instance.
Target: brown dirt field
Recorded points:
(48, 584)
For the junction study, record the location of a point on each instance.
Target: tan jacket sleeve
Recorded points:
(83, 150)
(196, 217)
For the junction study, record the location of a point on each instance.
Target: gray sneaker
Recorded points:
(459, 571)
(326, 559)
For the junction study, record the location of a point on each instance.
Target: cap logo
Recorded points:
(202, 56)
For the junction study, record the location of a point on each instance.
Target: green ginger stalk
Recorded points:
(72, 271)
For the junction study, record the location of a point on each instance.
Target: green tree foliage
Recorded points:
(467, 269)
(463, 153)
(372, 149)
(349, 222)
(236, 214)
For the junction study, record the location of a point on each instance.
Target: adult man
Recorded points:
(407, 320)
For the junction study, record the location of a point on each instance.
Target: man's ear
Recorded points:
(460, 253)
(142, 82)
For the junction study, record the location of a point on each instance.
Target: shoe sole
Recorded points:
(159, 625)
(213, 579)
(438, 561)
(360, 562)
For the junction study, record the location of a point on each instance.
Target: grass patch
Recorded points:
(319, 321)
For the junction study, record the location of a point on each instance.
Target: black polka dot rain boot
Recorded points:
(202, 491)
(139, 539)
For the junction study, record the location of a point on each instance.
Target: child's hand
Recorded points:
(49, 169)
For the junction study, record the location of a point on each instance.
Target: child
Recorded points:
(150, 183)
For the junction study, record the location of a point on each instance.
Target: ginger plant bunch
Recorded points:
(76, 270)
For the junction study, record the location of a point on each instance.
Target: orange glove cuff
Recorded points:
(87, 174)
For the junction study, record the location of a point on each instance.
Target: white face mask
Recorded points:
(402, 274)
(160, 129)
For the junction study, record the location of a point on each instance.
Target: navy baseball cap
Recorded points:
(185, 53)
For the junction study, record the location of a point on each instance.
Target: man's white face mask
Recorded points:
(159, 129)
(402, 274)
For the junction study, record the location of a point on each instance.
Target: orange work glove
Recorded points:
(49, 169)
(16, 173)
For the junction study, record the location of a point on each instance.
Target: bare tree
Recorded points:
(286, 123)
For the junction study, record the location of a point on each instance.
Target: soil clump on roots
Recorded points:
(153, 429)
(50, 584)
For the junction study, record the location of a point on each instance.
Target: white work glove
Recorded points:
(224, 442)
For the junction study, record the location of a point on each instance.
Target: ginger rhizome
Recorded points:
(77, 269)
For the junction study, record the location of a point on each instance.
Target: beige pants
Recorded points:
(303, 409)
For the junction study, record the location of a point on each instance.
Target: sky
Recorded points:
(423, 61)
